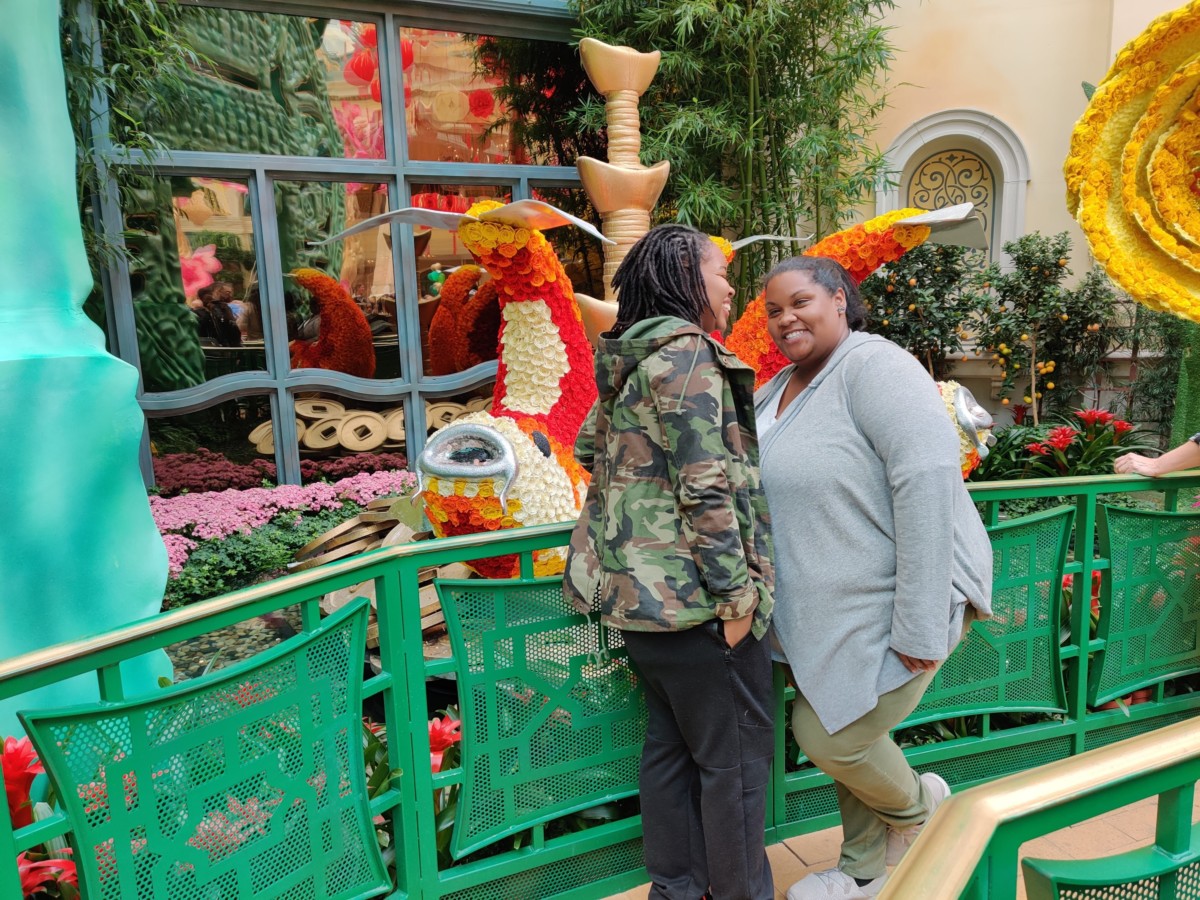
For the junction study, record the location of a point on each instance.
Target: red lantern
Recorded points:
(368, 36)
(406, 54)
(376, 90)
(361, 68)
(481, 103)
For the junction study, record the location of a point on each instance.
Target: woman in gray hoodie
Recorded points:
(879, 554)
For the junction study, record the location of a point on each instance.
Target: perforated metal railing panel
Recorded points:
(1135, 875)
(246, 784)
(1150, 605)
(1011, 661)
(553, 715)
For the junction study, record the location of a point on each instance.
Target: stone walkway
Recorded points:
(1117, 832)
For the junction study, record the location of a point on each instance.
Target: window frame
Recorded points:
(535, 19)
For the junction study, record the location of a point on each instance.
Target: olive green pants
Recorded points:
(876, 787)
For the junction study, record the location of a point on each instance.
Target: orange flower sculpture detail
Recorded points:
(344, 343)
(465, 327)
(544, 388)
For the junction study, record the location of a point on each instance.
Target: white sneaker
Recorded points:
(833, 884)
(900, 839)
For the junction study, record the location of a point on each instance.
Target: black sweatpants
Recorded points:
(706, 763)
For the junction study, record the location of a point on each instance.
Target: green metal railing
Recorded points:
(971, 848)
(552, 719)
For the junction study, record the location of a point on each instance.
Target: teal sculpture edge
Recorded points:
(79, 552)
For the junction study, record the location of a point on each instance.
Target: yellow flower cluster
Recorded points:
(724, 246)
(1172, 175)
(968, 456)
(1128, 172)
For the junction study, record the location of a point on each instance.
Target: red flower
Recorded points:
(1019, 412)
(1094, 416)
(20, 766)
(1120, 426)
(1039, 449)
(481, 103)
(37, 875)
(1062, 437)
(442, 734)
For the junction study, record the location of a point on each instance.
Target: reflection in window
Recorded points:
(193, 279)
(483, 99)
(581, 254)
(276, 84)
(225, 446)
(360, 290)
(342, 436)
(468, 328)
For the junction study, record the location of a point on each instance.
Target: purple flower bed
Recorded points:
(187, 519)
(205, 470)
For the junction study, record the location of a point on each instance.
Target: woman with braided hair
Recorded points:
(673, 546)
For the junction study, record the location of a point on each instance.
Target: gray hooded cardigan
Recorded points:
(878, 547)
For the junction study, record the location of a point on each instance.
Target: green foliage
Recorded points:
(764, 108)
(922, 301)
(538, 85)
(1157, 343)
(218, 566)
(1083, 443)
(1186, 421)
(142, 52)
(1040, 333)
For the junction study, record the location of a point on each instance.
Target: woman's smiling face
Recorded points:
(804, 319)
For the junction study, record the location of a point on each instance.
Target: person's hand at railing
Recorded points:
(1185, 456)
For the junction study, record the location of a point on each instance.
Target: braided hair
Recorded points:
(830, 275)
(660, 276)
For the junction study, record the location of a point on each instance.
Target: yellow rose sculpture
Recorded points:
(1131, 175)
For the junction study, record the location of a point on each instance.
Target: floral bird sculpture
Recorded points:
(344, 343)
(515, 465)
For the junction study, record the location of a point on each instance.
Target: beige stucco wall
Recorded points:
(1022, 61)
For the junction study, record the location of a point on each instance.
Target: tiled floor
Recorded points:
(1122, 830)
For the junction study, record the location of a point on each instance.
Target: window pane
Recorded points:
(342, 436)
(358, 336)
(481, 99)
(276, 84)
(229, 445)
(193, 281)
(461, 330)
(581, 254)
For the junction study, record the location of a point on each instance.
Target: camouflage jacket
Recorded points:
(675, 529)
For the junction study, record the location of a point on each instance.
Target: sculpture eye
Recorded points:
(542, 443)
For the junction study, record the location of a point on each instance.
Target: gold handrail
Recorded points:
(942, 860)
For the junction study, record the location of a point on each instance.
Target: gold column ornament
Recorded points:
(622, 189)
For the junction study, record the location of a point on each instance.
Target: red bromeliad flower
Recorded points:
(20, 766)
(1039, 449)
(442, 734)
(1120, 426)
(37, 875)
(1093, 417)
(1019, 412)
(1062, 437)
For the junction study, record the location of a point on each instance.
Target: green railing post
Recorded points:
(1081, 616)
(398, 713)
(1173, 833)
